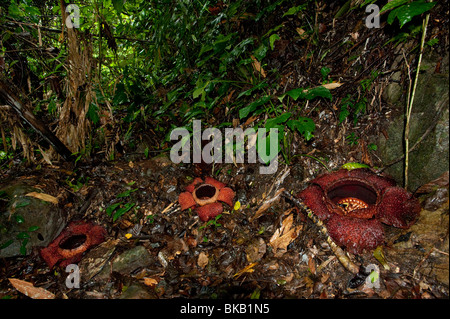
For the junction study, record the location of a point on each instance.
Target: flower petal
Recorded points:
(398, 208)
(190, 188)
(355, 234)
(226, 195)
(186, 200)
(314, 198)
(327, 180)
(213, 182)
(209, 211)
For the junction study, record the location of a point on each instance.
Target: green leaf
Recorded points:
(244, 112)
(23, 247)
(294, 10)
(14, 10)
(393, 4)
(19, 219)
(260, 52)
(33, 228)
(111, 208)
(343, 114)
(304, 125)
(23, 235)
(126, 193)
(122, 210)
(274, 122)
(197, 92)
(32, 11)
(319, 91)
(296, 93)
(92, 113)
(409, 11)
(325, 71)
(118, 5)
(6, 244)
(23, 204)
(351, 166)
(272, 39)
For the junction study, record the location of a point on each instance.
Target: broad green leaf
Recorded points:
(319, 91)
(351, 166)
(409, 11)
(92, 113)
(6, 244)
(260, 52)
(23, 247)
(393, 4)
(111, 208)
(122, 210)
(32, 11)
(343, 114)
(294, 10)
(197, 92)
(22, 204)
(23, 235)
(118, 5)
(304, 125)
(14, 10)
(244, 112)
(296, 93)
(33, 228)
(274, 122)
(272, 39)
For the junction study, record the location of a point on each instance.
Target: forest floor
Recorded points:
(172, 254)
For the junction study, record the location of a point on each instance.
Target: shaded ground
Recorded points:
(175, 255)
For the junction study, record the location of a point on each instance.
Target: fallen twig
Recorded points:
(339, 253)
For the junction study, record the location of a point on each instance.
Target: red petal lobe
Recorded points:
(186, 200)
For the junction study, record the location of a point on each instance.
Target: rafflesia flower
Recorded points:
(354, 204)
(70, 245)
(205, 196)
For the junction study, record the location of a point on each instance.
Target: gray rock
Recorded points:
(431, 157)
(132, 259)
(20, 213)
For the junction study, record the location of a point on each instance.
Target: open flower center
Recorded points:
(205, 194)
(73, 242)
(352, 195)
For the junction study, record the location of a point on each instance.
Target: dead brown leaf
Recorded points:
(44, 197)
(202, 260)
(284, 235)
(248, 269)
(333, 85)
(31, 291)
(257, 66)
(148, 281)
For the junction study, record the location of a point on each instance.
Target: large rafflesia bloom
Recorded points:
(206, 196)
(354, 203)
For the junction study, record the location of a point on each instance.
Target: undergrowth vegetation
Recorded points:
(153, 66)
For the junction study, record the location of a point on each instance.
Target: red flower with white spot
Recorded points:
(354, 204)
(205, 197)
